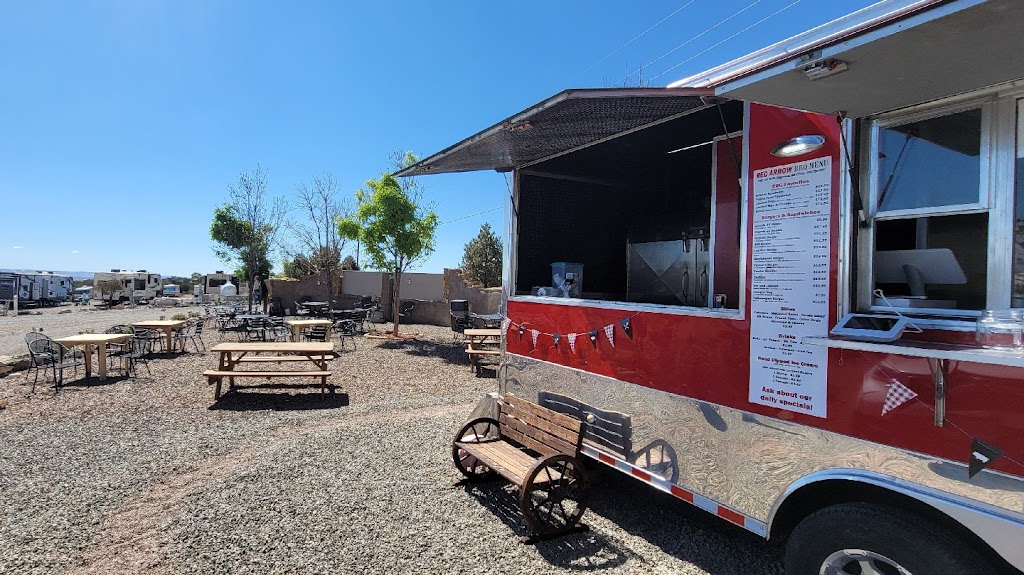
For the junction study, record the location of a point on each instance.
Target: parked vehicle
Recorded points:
(36, 288)
(134, 286)
(213, 282)
(729, 223)
(83, 294)
(171, 290)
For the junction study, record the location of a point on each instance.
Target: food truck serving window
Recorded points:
(651, 217)
(941, 183)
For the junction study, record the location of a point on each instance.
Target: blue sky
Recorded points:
(123, 123)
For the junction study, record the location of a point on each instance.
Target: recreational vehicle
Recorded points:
(801, 306)
(213, 282)
(130, 285)
(36, 288)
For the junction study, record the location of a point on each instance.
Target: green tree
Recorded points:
(349, 263)
(481, 260)
(396, 233)
(244, 230)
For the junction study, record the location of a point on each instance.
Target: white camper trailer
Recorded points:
(213, 282)
(35, 288)
(133, 285)
(52, 288)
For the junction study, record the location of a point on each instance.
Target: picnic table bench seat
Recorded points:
(536, 449)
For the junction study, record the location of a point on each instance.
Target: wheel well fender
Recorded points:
(811, 494)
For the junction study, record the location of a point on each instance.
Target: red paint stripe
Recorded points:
(605, 459)
(730, 515)
(682, 494)
(641, 474)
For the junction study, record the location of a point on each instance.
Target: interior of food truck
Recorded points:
(651, 216)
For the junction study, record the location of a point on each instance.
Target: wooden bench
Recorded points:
(536, 449)
(216, 376)
(280, 358)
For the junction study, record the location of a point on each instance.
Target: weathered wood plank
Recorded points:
(567, 435)
(238, 373)
(538, 435)
(559, 419)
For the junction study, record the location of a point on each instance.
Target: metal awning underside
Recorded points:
(568, 121)
(907, 53)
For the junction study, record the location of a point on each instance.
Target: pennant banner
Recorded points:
(556, 337)
(522, 330)
(609, 330)
(897, 396)
(535, 335)
(593, 337)
(572, 341)
(627, 326)
(981, 455)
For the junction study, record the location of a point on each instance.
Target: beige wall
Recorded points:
(428, 287)
(362, 283)
(481, 300)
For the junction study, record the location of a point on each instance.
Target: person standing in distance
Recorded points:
(264, 294)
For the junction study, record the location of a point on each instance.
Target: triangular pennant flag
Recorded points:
(535, 335)
(609, 330)
(504, 325)
(981, 455)
(627, 326)
(556, 337)
(572, 341)
(522, 330)
(898, 395)
(593, 337)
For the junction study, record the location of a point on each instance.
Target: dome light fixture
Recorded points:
(798, 146)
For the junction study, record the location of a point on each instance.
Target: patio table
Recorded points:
(297, 325)
(168, 326)
(97, 341)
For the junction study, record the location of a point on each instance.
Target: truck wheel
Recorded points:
(868, 539)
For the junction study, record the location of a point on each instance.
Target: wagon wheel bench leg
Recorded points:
(554, 497)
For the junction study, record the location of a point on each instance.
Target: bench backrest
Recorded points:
(612, 430)
(545, 431)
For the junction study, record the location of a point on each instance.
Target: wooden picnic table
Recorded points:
(168, 326)
(97, 341)
(481, 342)
(232, 355)
(297, 325)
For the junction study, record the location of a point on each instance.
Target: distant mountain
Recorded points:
(75, 275)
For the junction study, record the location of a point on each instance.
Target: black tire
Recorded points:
(897, 538)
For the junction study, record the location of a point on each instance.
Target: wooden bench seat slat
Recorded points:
(280, 358)
(559, 419)
(552, 443)
(240, 373)
(483, 352)
(503, 458)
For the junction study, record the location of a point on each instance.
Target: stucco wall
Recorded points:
(481, 300)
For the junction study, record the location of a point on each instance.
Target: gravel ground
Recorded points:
(56, 324)
(150, 475)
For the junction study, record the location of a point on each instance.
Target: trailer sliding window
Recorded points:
(944, 228)
(652, 216)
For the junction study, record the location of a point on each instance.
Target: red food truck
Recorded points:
(788, 287)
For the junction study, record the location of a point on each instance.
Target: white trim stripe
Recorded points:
(662, 484)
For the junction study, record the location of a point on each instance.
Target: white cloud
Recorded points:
(19, 247)
(74, 251)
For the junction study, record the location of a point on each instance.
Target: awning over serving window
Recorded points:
(568, 121)
(896, 53)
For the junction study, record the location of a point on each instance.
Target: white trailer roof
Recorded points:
(898, 52)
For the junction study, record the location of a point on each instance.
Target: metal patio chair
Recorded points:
(44, 354)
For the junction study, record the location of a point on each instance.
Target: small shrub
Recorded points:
(179, 316)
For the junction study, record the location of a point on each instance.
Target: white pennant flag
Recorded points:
(504, 325)
(609, 330)
(572, 341)
(897, 396)
(535, 335)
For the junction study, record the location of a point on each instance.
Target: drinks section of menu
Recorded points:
(790, 277)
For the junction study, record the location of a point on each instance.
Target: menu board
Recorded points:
(790, 277)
